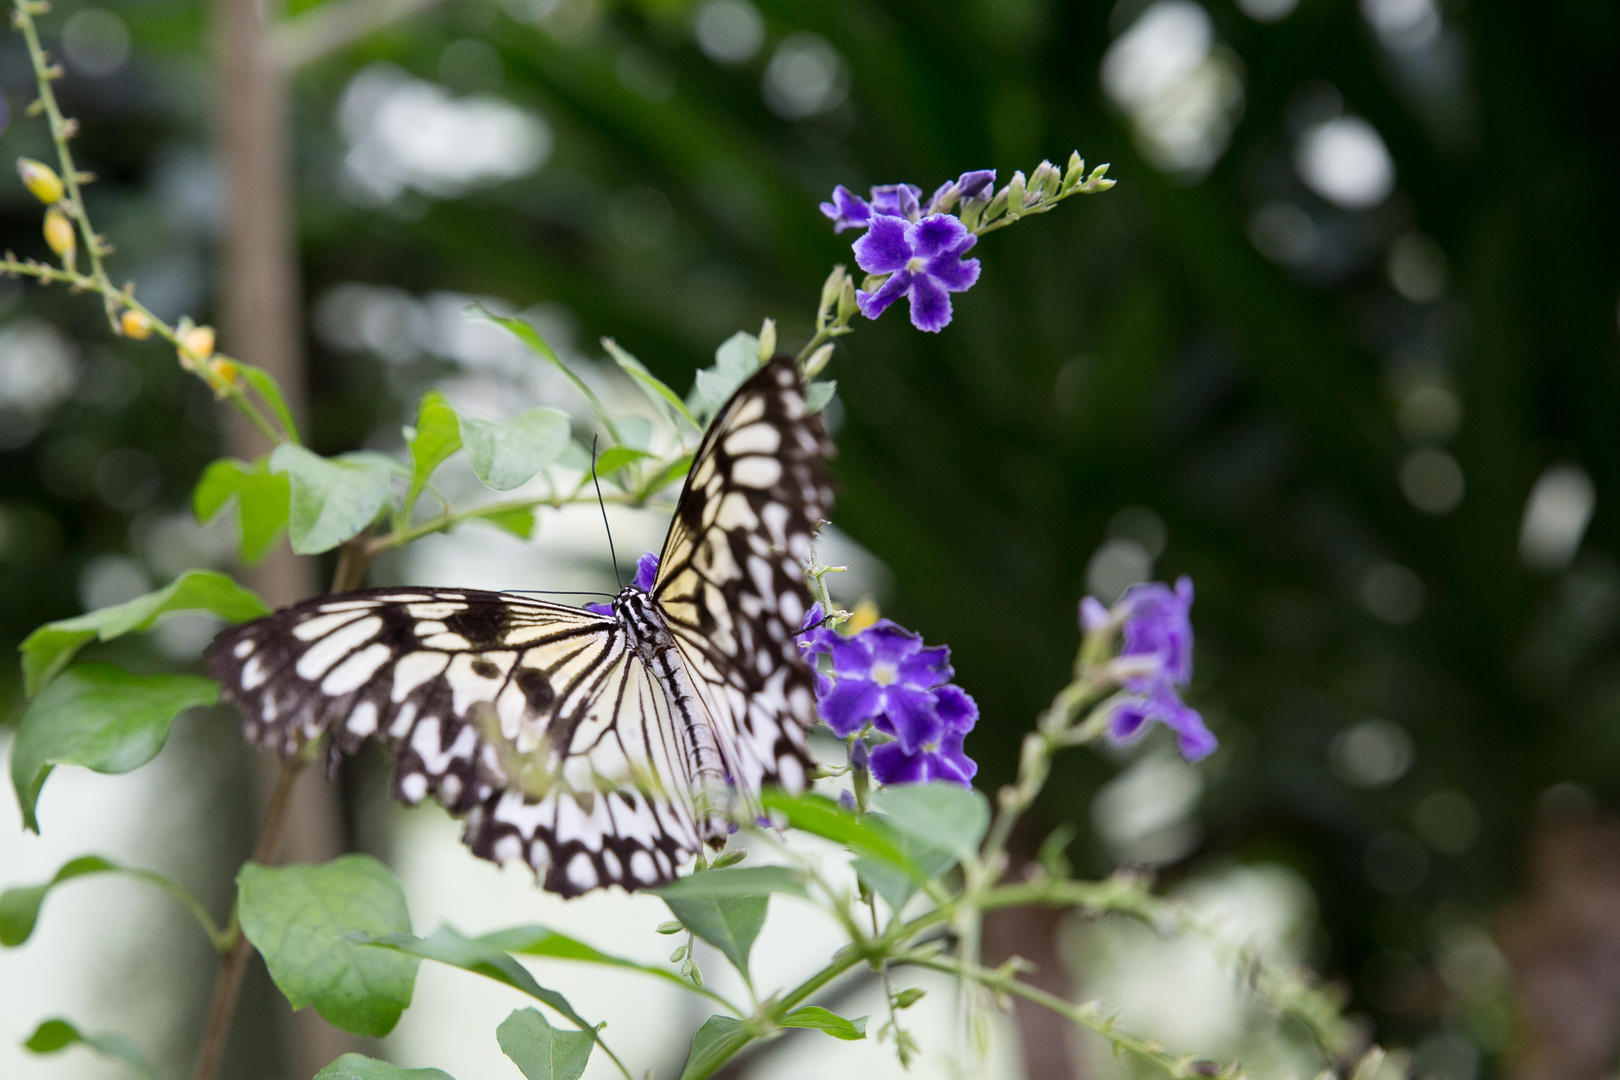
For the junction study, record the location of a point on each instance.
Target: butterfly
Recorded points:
(600, 749)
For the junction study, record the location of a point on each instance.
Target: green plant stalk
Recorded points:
(62, 129)
(1001, 983)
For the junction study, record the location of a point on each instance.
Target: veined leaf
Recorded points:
(540, 1051)
(300, 919)
(715, 1043)
(508, 454)
(19, 907)
(358, 1067)
(49, 649)
(262, 381)
(940, 814)
(729, 923)
(481, 958)
(822, 817)
(735, 360)
(333, 499)
(817, 394)
(655, 389)
(733, 881)
(543, 941)
(615, 458)
(262, 501)
(436, 436)
(101, 717)
(814, 1016)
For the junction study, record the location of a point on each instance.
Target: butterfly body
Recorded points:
(598, 748)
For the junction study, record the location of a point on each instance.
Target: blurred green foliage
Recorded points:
(1133, 350)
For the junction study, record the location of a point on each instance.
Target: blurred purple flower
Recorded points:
(923, 261)
(1155, 658)
(847, 210)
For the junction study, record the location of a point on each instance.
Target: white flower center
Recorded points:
(916, 264)
(885, 673)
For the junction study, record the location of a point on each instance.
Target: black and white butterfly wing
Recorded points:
(534, 720)
(731, 578)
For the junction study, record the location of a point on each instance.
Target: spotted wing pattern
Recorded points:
(731, 579)
(531, 719)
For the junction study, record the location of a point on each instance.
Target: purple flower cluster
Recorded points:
(884, 676)
(917, 244)
(1154, 661)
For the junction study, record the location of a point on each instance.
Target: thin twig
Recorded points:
(233, 965)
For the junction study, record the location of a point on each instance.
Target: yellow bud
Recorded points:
(136, 325)
(59, 234)
(40, 180)
(198, 341)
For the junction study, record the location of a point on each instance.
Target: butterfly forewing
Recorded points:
(562, 743)
(731, 579)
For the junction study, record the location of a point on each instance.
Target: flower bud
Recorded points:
(1076, 171)
(40, 180)
(59, 234)
(1045, 181)
(767, 340)
(833, 287)
(1016, 190)
(198, 341)
(818, 361)
(135, 324)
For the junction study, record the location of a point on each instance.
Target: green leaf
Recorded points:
(822, 817)
(56, 1035)
(298, 917)
(270, 390)
(517, 520)
(543, 941)
(896, 886)
(715, 1043)
(817, 394)
(729, 923)
(49, 649)
(481, 958)
(101, 717)
(506, 455)
(540, 1051)
(356, 1067)
(333, 499)
(814, 1016)
(436, 436)
(531, 337)
(666, 476)
(735, 360)
(940, 814)
(19, 907)
(615, 458)
(655, 389)
(733, 881)
(262, 500)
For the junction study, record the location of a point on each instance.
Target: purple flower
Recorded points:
(646, 575)
(847, 210)
(965, 188)
(940, 759)
(885, 676)
(923, 261)
(1155, 658)
(897, 200)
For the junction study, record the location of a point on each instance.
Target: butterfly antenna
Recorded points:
(603, 507)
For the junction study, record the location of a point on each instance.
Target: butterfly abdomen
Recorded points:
(649, 636)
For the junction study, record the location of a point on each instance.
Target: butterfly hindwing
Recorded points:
(532, 719)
